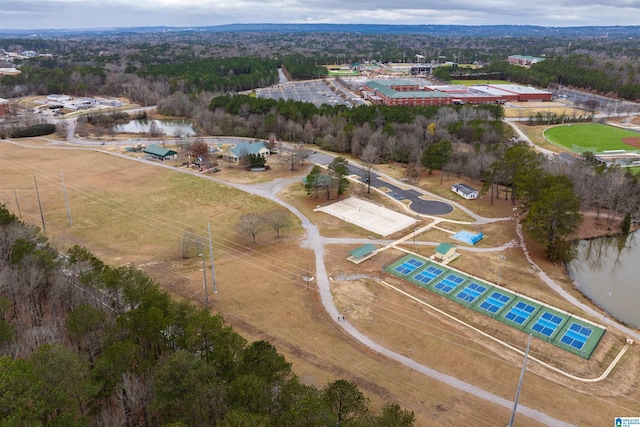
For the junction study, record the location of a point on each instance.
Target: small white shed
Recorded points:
(465, 191)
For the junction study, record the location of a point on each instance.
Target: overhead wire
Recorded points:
(228, 249)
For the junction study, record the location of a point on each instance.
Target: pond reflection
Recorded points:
(607, 271)
(177, 128)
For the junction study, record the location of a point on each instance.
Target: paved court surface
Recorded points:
(369, 216)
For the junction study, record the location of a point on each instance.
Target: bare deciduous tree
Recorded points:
(154, 129)
(251, 224)
(61, 130)
(370, 156)
(278, 219)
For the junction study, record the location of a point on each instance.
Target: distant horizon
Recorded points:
(313, 24)
(49, 15)
(263, 26)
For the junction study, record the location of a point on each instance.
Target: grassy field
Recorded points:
(599, 137)
(129, 212)
(343, 73)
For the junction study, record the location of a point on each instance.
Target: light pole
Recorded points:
(502, 258)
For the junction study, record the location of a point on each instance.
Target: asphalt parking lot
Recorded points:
(315, 92)
(416, 201)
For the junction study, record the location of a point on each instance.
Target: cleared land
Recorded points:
(129, 212)
(525, 110)
(598, 137)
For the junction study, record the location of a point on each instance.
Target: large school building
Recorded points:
(410, 93)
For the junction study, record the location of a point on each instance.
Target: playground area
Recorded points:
(372, 217)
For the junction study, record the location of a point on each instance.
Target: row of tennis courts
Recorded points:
(558, 327)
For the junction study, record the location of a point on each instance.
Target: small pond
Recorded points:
(168, 127)
(607, 271)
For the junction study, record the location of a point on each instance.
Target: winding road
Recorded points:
(316, 242)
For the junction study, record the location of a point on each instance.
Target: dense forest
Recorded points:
(84, 343)
(463, 140)
(217, 75)
(198, 75)
(147, 67)
(619, 78)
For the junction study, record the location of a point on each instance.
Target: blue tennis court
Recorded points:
(576, 336)
(428, 274)
(408, 266)
(520, 312)
(557, 327)
(547, 324)
(471, 292)
(449, 283)
(495, 302)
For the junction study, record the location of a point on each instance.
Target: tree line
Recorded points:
(583, 71)
(461, 140)
(399, 133)
(216, 75)
(84, 343)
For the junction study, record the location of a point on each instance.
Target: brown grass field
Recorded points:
(527, 109)
(130, 212)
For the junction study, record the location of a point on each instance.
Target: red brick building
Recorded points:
(4, 107)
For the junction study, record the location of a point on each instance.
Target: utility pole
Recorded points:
(17, 204)
(213, 273)
(44, 229)
(524, 368)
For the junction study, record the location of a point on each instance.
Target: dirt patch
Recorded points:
(633, 141)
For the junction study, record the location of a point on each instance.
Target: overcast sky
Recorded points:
(49, 14)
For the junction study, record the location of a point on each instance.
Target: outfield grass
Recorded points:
(596, 136)
(634, 170)
(480, 82)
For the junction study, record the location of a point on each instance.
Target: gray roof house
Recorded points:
(245, 148)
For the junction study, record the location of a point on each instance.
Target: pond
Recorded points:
(175, 128)
(607, 271)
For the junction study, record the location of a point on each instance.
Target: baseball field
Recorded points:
(595, 137)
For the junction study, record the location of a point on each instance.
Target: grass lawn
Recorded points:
(480, 82)
(634, 170)
(596, 136)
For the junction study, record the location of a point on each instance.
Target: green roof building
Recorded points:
(159, 152)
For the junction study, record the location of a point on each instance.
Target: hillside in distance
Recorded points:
(489, 31)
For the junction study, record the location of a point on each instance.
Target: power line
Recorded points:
(127, 211)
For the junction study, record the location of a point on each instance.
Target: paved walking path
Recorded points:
(316, 242)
